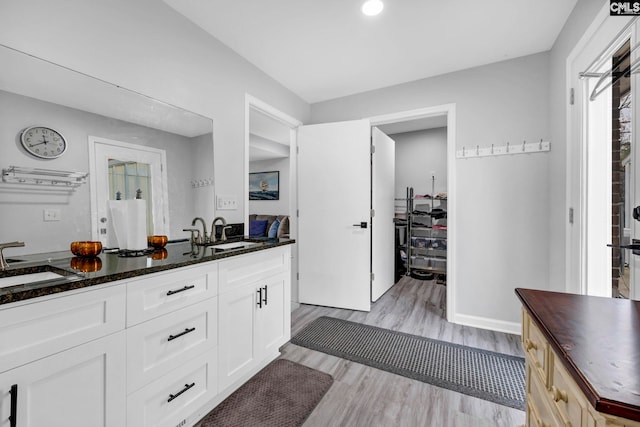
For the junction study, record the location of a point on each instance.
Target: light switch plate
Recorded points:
(226, 203)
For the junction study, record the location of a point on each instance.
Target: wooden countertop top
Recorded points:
(598, 341)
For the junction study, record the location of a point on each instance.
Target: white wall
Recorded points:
(21, 207)
(146, 46)
(272, 207)
(502, 202)
(418, 154)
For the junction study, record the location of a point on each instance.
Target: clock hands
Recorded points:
(44, 141)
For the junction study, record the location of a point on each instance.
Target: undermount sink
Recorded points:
(234, 246)
(25, 276)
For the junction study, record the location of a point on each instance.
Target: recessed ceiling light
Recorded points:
(372, 7)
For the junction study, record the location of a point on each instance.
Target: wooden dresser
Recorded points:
(582, 360)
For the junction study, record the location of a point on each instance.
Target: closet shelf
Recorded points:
(44, 177)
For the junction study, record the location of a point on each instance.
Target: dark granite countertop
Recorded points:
(597, 341)
(79, 273)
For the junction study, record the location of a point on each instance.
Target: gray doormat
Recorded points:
(496, 377)
(283, 394)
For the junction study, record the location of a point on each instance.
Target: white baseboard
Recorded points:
(487, 323)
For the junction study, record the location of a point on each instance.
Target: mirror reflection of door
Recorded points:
(118, 166)
(130, 180)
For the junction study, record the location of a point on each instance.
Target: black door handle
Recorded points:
(636, 213)
(13, 420)
(634, 246)
(363, 224)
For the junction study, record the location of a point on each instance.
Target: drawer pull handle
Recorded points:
(259, 303)
(186, 387)
(185, 332)
(531, 344)
(186, 288)
(559, 395)
(264, 300)
(13, 418)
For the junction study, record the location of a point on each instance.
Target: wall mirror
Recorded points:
(47, 217)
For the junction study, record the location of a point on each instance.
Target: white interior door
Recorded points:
(383, 174)
(101, 150)
(334, 198)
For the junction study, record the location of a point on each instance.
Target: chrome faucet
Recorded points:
(3, 263)
(205, 239)
(213, 229)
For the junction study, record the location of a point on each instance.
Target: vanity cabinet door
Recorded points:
(80, 387)
(237, 349)
(254, 310)
(273, 318)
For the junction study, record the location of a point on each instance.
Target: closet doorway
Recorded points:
(427, 125)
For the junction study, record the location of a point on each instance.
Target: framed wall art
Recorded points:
(264, 185)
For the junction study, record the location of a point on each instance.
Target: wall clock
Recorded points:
(43, 142)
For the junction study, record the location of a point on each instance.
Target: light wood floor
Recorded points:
(364, 396)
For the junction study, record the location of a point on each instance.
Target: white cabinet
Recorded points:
(35, 330)
(159, 346)
(161, 293)
(79, 387)
(159, 350)
(172, 340)
(171, 400)
(63, 361)
(254, 310)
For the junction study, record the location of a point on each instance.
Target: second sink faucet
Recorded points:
(205, 238)
(213, 229)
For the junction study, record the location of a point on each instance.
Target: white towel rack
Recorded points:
(501, 150)
(44, 177)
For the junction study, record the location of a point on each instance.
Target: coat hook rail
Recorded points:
(502, 150)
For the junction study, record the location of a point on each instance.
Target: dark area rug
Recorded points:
(283, 394)
(496, 377)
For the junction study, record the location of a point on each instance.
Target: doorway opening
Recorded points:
(621, 137)
(431, 131)
(270, 147)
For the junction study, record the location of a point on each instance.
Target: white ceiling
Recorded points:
(327, 49)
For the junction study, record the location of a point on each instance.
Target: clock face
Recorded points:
(43, 142)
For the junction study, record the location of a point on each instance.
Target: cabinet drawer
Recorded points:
(32, 331)
(170, 400)
(164, 292)
(539, 412)
(535, 347)
(566, 396)
(248, 268)
(165, 343)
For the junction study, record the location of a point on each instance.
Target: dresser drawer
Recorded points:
(32, 331)
(536, 348)
(243, 269)
(161, 293)
(165, 343)
(566, 396)
(173, 398)
(539, 411)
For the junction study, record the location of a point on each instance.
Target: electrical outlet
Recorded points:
(51, 215)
